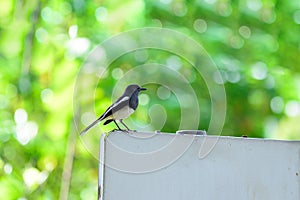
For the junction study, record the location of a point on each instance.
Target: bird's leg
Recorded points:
(117, 125)
(124, 124)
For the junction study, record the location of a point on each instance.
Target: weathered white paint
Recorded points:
(236, 168)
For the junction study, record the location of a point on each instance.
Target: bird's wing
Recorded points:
(117, 105)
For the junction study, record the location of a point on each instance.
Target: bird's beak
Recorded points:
(143, 88)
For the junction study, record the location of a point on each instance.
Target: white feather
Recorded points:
(122, 113)
(120, 101)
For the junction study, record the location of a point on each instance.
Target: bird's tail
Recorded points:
(90, 126)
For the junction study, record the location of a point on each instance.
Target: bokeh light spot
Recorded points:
(143, 99)
(179, 9)
(73, 31)
(174, 62)
(26, 132)
(117, 73)
(254, 5)
(270, 82)
(47, 95)
(163, 93)
(233, 77)
(51, 16)
(220, 77)
(101, 14)
(245, 32)
(268, 15)
(259, 70)
(78, 46)
(200, 25)
(292, 108)
(236, 42)
(41, 35)
(224, 9)
(20, 116)
(277, 104)
(8, 168)
(33, 177)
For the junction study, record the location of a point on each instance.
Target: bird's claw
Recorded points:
(123, 130)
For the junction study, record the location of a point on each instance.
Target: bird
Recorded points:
(122, 108)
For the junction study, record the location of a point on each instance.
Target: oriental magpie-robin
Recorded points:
(122, 108)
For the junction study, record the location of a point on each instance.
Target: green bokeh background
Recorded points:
(254, 43)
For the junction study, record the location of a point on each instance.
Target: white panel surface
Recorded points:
(144, 166)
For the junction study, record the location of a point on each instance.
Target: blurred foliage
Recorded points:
(254, 43)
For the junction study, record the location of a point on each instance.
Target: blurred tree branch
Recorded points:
(68, 162)
(29, 39)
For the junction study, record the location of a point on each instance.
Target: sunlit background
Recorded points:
(254, 43)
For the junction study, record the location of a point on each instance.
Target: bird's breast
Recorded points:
(122, 113)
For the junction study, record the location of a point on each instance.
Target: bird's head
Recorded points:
(133, 88)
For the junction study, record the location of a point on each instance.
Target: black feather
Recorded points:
(108, 121)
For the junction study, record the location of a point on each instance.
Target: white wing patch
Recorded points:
(120, 101)
(114, 105)
(122, 113)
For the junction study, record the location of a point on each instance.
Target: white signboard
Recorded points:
(154, 166)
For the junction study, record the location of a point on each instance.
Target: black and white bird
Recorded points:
(122, 108)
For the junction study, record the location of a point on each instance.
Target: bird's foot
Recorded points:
(123, 130)
(127, 131)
